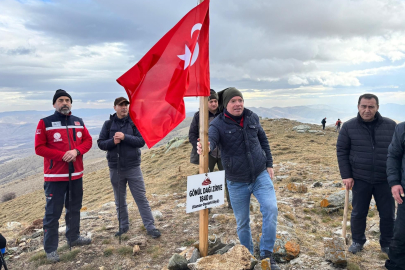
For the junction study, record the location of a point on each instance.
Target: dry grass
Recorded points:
(305, 158)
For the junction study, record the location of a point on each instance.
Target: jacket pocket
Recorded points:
(253, 128)
(51, 164)
(230, 131)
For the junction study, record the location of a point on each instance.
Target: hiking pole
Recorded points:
(119, 197)
(344, 225)
(71, 169)
(3, 261)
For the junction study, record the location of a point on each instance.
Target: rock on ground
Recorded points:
(237, 258)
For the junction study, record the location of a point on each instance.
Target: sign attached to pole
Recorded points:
(205, 191)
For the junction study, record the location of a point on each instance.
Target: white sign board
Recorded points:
(205, 191)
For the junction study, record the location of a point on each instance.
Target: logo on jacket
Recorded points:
(56, 124)
(77, 123)
(38, 131)
(79, 134)
(57, 137)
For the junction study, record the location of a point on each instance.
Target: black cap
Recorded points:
(120, 100)
(61, 93)
(213, 95)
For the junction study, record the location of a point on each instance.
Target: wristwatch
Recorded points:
(78, 152)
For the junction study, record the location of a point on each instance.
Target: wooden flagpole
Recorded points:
(203, 223)
(203, 235)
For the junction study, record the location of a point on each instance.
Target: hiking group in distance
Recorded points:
(370, 152)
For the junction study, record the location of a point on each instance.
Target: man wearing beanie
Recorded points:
(248, 163)
(194, 132)
(62, 139)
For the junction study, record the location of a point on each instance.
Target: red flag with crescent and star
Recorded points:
(177, 66)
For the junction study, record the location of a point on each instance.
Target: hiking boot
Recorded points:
(155, 233)
(269, 255)
(355, 247)
(385, 249)
(52, 256)
(80, 241)
(122, 232)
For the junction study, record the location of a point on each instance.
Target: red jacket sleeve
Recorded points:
(87, 142)
(40, 144)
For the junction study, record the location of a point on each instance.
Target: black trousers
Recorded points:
(57, 195)
(362, 193)
(397, 246)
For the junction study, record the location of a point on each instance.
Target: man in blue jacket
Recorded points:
(362, 148)
(396, 180)
(248, 165)
(121, 130)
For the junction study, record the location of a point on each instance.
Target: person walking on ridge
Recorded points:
(323, 123)
(338, 124)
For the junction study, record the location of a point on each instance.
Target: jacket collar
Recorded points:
(379, 119)
(58, 114)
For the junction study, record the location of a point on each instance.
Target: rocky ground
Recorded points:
(306, 178)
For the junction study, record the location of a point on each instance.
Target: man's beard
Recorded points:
(64, 110)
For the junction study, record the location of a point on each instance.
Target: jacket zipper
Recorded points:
(67, 131)
(372, 144)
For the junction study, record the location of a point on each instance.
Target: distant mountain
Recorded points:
(315, 113)
(17, 128)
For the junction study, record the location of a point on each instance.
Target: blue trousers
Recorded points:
(263, 190)
(57, 195)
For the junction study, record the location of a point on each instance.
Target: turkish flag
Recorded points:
(175, 67)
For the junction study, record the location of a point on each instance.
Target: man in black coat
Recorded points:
(362, 149)
(396, 180)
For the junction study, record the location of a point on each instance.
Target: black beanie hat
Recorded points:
(226, 95)
(61, 93)
(213, 95)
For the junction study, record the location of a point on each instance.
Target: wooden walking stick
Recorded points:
(345, 215)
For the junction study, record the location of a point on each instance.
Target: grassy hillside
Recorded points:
(300, 159)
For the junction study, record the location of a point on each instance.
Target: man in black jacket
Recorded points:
(362, 149)
(396, 180)
(214, 157)
(248, 164)
(121, 130)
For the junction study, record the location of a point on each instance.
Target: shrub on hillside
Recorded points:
(8, 197)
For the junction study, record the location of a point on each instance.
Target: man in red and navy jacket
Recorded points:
(61, 139)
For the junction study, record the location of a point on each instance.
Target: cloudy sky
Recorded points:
(280, 53)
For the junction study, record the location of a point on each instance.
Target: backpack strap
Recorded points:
(133, 126)
(109, 124)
